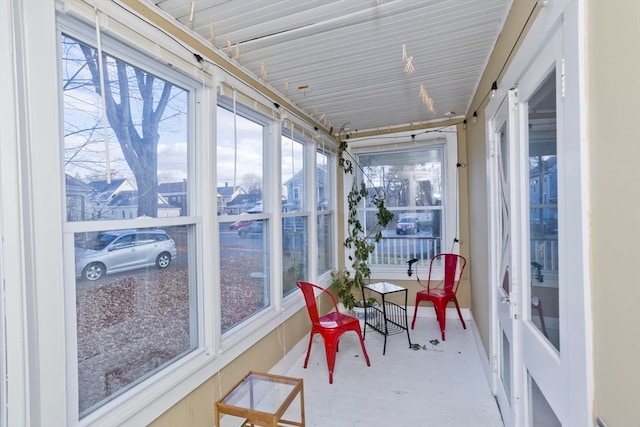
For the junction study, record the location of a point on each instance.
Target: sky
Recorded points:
(239, 155)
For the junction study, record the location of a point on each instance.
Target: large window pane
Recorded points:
(325, 237)
(293, 179)
(295, 232)
(135, 300)
(324, 211)
(240, 148)
(412, 183)
(126, 152)
(244, 271)
(295, 251)
(125, 142)
(244, 228)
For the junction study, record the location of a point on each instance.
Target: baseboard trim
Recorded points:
(482, 352)
(291, 357)
(428, 312)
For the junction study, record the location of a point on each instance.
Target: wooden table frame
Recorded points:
(243, 400)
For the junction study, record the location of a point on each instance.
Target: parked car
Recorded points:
(240, 224)
(408, 225)
(124, 250)
(253, 230)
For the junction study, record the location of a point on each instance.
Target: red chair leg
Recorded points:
(538, 306)
(441, 314)
(459, 313)
(306, 359)
(415, 312)
(364, 350)
(330, 346)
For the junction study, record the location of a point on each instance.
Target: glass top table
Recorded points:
(383, 288)
(262, 399)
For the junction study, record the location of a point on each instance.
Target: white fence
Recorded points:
(398, 250)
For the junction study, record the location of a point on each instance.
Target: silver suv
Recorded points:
(124, 250)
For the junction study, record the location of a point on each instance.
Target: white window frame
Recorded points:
(308, 166)
(39, 265)
(138, 394)
(249, 327)
(330, 211)
(11, 342)
(446, 136)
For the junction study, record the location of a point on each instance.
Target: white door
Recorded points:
(539, 344)
(538, 190)
(526, 269)
(540, 103)
(503, 292)
(523, 160)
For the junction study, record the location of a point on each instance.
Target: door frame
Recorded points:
(503, 306)
(575, 362)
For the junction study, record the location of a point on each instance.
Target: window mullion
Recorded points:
(274, 184)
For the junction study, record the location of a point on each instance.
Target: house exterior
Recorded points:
(242, 203)
(115, 199)
(292, 201)
(77, 194)
(226, 194)
(175, 194)
(111, 199)
(598, 363)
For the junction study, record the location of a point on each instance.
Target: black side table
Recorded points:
(389, 318)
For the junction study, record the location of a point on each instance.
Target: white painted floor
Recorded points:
(441, 385)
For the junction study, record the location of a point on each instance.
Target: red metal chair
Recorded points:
(537, 304)
(331, 326)
(443, 292)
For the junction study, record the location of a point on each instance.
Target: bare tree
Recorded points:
(252, 182)
(140, 150)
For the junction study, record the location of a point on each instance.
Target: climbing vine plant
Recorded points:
(359, 242)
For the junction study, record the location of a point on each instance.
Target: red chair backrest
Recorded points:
(310, 299)
(453, 268)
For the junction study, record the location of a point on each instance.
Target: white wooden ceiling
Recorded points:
(341, 61)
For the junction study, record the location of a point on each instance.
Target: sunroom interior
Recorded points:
(204, 155)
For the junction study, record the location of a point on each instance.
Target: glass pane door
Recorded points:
(543, 210)
(504, 292)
